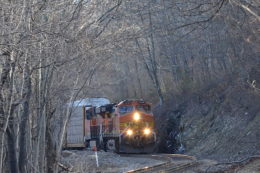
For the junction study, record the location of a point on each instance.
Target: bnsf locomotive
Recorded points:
(127, 126)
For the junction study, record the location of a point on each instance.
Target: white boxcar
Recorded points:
(75, 136)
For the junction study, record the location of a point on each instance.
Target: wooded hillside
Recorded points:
(53, 52)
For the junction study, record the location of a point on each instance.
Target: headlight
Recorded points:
(136, 116)
(129, 132)
(147, 131)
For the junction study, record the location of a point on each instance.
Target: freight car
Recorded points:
(126, 127)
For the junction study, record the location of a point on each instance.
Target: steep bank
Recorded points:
(220, 122)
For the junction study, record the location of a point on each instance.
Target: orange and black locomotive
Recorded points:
(127, 126)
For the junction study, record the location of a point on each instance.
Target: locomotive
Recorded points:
(126, 127)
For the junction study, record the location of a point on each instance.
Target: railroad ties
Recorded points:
(172, 162)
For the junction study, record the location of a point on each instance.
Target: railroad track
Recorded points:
(172, 162)
(180, 163)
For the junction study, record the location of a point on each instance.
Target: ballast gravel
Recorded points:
(108, 162)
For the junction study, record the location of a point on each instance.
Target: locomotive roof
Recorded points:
(133, 101)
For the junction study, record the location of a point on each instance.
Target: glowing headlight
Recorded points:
(136, 116)
(147, 131)
(129, 132)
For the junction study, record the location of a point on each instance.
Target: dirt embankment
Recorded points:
(220, 123)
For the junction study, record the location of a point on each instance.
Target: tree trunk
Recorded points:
(11, 142)
(26, 93)
(50, 146)
(7, 86)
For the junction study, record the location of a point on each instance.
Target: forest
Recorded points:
(53, 52)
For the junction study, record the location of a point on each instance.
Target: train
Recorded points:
(125, 127)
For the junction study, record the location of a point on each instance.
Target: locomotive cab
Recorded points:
(136, 126)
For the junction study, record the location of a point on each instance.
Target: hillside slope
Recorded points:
(221, 122)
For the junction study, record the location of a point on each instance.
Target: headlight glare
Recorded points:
(147, 131)
(136, 116)
(129, 132)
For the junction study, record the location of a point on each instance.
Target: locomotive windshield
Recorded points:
(144, 108)
(125, 109)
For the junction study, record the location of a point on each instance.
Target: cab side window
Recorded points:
(144, 108)
(125, 109)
